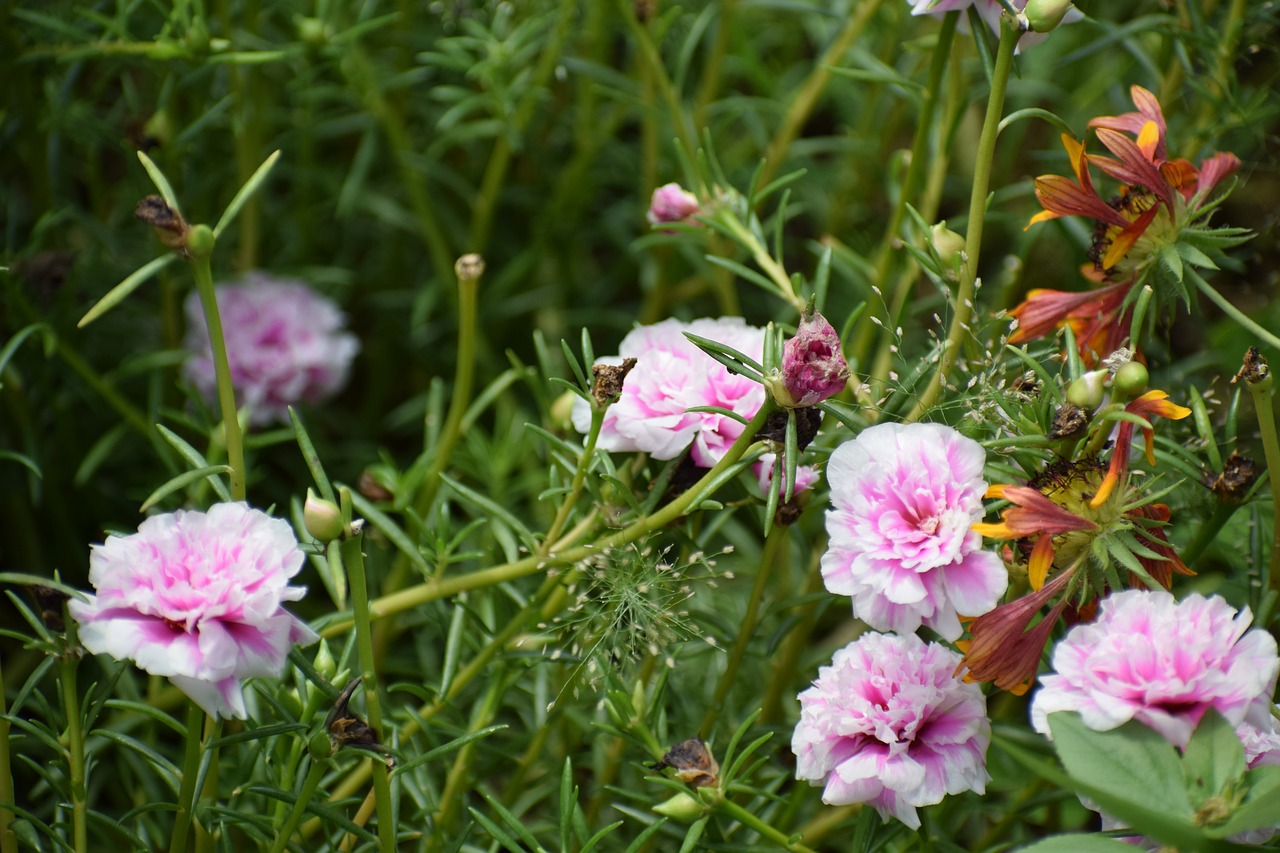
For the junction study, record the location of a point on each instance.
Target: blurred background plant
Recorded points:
(533, 133)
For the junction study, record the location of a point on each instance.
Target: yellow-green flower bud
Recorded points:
(200, 241)
(320, 746)
(1086, 392)
(681, 807)
(323, 519)
(947, 245)
(1044, 15)
(1131, 379)
(324, 663)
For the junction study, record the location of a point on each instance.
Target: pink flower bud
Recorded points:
(671, 203)
(813, 368)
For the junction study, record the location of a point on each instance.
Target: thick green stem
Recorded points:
(575, 487)
(772, 268)
(468, 270)
(1260, 389)
(746, 818)
(222, 371)
(353, 560)
(801, 104)
(309, 786)
(436, 589)
(768, 557)
(1269, 338)
(75, 744)
(205, 841)
(190, 770)
(963, 308)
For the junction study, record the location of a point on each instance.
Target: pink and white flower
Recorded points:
(904, 499)
(196, 597)
(888, 724)
(1164, 663)
(285, 345)
(671, 203)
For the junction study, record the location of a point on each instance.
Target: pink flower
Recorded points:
(671, 203)
(197, 597)
(813, 367)
(904, 499)
(1164, 663)
(285, 345)
(887, 724)
(672, 375)
(989, 10)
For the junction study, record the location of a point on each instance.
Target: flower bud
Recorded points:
(324, 663)
(948, 245)
(200, 241)
(682, 808)
(322, 518)
(320, 746)
(311, 31)
(168, 223)
(1131, 379)
(1086, 392)
(813, 367)
(1045, 15)
(671, 203)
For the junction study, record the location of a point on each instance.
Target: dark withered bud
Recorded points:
(1069, 421)
(469, 267)
(607, 379)
(49, 602)
(775, 426)
(1238, 475)
(346, 728)
(693, 763)
(789, 512)
(372, 488)
(1254, 368)
(646, 10)
(168, 223)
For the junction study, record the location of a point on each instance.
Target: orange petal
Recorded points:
(1148, 139)
(1105, 488)
(995, 531)
(1040, 562)
(1124, 241)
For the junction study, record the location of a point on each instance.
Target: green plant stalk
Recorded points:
(1220, 83)
(435, 589)
(801, 104)
(8, 841)
(1207, 531)
(1236, 314)
(309, 785)
(773, 545)
(575, 487)
(222, 371)
(772, 268)
(1009, 36)
(714, 64)
(653, 59)
(456, 782)
(75, 742)
(797, 642)
(746, 818)
(910, 184)
(205, 842)
(1260, 390)
(464, 376)
(353, 559)
(190, 770)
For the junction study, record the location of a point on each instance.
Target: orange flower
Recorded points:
(1149, 404)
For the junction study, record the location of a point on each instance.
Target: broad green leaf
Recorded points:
(1261, 806)
(1079, 844)
(1213, 759)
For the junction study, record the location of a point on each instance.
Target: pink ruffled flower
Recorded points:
(671, 203)
(990, 11)
(904, 499)
(196, 597)
(887, 724)
(1164, 663)
(285, 345)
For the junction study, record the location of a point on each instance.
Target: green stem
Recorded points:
(910, 184)
(963, 308)
(772, 268)
(714, 64)
(575, 487)
(8, 841)
(190, 770)
(222, 371)
(353, 560)
(436, 589)
(801, 104)
(468, 271)
(205, 841)
(1235, 313)
(1207, 531)
(75, 743)
(747, 627)
(1260, 389)
(798, 641)
(309, 785)
(453, 796)
(746, 818)
(653, 59)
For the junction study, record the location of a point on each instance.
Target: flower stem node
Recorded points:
(1131, 379)
(323, 518)
(1044, 15)
(200, 241)
(469, 268)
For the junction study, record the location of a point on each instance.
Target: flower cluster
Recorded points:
(904, 500)
(889, 725)
(285, 345)
(196, 597)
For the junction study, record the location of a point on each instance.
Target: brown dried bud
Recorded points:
(348, 729)
(371, 488)
(469, 267)
(49, 601)
(1239, 473)
(808, 420)
(607, 379)
(1254, 368)
(789, 512)
(693, 763)
(168, 223)
(1068, 422)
